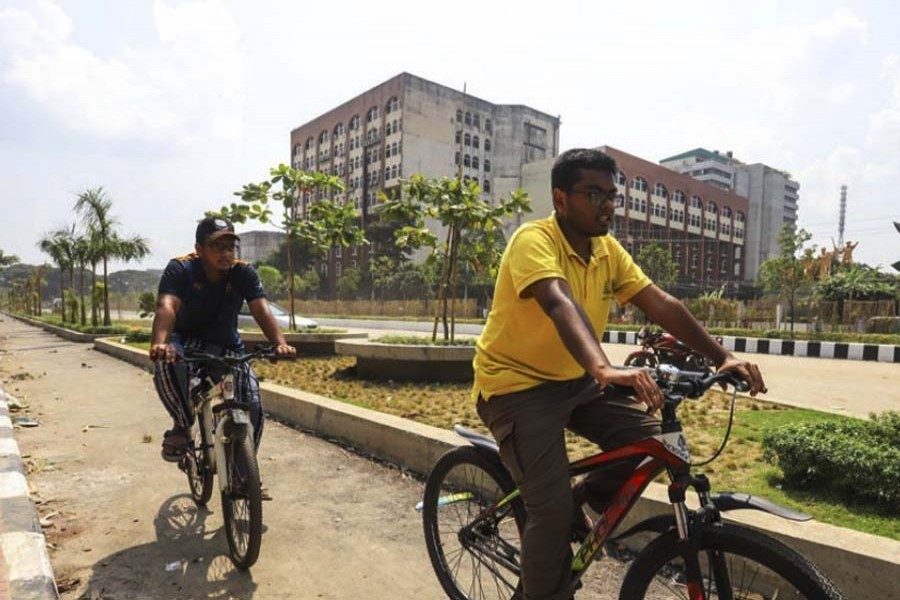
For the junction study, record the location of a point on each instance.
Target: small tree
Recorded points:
(7, 260)
(348, 283)
(324, 225)
(658, 264)
(461, 211)
(785, 275)
(272, 279)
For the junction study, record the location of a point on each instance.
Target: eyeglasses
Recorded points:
(224, 246)
(601, 198)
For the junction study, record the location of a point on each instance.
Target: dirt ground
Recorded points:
(120, 524)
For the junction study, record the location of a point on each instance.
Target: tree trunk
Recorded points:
(441, 299)
(454, 251)
(106, 319)
(81, 286)
(62, 295)
(290, 258)
(94, 308)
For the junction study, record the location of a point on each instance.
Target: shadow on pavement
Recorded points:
(186, 561)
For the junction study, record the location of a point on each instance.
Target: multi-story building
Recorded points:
(702, 225)
(409, 125)
(771, 193)
(258, 245)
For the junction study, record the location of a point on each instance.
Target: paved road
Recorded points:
(849, 387)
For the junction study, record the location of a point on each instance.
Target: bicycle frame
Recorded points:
(213, 423)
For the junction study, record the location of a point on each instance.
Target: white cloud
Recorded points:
(190, 88)
(842, 23)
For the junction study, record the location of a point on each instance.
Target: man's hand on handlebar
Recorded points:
(285, 350)
(164, 352)
(747, 371)
(640, 380)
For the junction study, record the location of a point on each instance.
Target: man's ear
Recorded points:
(560, 201)
(197, 247)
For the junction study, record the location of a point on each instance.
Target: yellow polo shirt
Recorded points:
(520, 347)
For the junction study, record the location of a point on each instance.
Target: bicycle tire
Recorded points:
(460, 486)
(780, 571)
(196, 467)
(242, 503)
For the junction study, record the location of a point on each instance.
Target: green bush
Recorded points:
(854, 459)
(137, 336)
(103, 329)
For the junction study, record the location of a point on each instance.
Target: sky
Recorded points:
(172, 105)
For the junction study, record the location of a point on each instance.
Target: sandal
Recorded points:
(174, 445)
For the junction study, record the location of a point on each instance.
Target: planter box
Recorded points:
(306, 343)
(407, 362)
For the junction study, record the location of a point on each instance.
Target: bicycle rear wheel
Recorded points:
(480, 562)
(196, 467)
(735, 563)
(242, 504)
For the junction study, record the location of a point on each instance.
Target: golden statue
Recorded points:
(825, 259)
(847, 259)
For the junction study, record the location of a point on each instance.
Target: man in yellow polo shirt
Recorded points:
(539, 367)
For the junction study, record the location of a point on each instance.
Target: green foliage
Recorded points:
(472, 225)
(786, 274)
(657, 263)
(858, 460)
(101, 329)
(137, 336)
(348, 283)
(272, 280)
(325, 225)
(146, 304)
(418, 340)
(7, 260)
(307, 284)
(858, 282)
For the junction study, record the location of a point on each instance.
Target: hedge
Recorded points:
(853, 459)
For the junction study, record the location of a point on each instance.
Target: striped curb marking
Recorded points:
(25, 568)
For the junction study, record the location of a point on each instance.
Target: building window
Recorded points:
(323, 137)
(468, 140)
(639, 184)
(456, 159)
(458, 136)
(459, 116)
(392, 105)
(476, 120)
(339, 130)
(474, 162)
(535, 136)
(467, 161)
(660, 190)
(393, 171)
(487, 166)
(696, 202)
(678, 197)
(296, 149)
(487, 126)
(740, 217)
(487, 185)
(475, 142)
(487, 145)
(620, 178)
(468, 118)
(372, 115)
(323, 268)
(711, 207)
(354, 123)
(726, 212)
(310, 143)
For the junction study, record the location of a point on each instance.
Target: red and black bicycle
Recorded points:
(474, 516)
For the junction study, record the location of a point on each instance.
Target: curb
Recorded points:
(862, 565)
(23, 549)
(67, 334)
(803, 348)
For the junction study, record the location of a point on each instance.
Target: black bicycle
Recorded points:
(474, 517)
(221, 442)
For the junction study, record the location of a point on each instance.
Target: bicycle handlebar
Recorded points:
(693, 384)
(261, 353)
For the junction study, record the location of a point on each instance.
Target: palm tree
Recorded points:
(82, 257)
(7, 260)
(94, 207)
(58, 245)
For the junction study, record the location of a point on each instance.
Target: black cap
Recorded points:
(213, 228)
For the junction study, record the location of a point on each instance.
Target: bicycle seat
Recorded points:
(479, 439)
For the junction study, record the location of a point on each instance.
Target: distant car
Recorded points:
(245, 319)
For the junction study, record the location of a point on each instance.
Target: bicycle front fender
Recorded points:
(726, 501)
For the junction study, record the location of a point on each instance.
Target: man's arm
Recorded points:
(674, 317)
(578, 335)
(259, 308)
(167, 306)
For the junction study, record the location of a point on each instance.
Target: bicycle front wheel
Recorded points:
(196, 467)
(473, 562)
(735, 563)
(242, 503)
